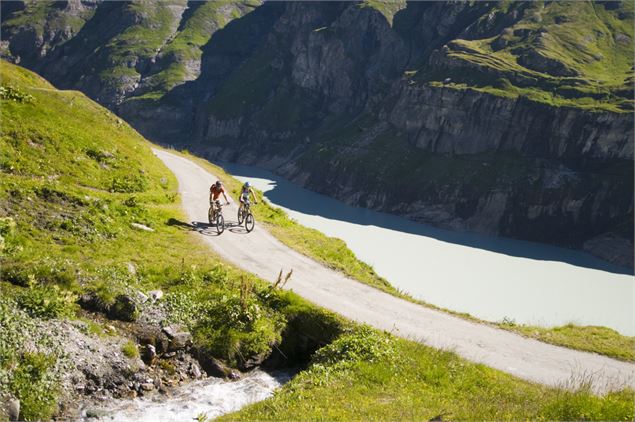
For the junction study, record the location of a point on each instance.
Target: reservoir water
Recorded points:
(488, 277)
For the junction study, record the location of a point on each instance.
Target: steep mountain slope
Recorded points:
(114, 50)
(510, 118)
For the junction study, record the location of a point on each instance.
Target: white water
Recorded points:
(490, 278)
(210, 397)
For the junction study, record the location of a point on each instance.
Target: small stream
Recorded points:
(210, 397)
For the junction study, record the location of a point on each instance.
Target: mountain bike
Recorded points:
(215, 216)
(245, 214)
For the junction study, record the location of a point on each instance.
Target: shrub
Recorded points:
(363, 344)
(129, 184)
(45, 301)
(237, 346)
(13, 93)
(29, 363)
(130, 350)
(34, 384)
(44, 271)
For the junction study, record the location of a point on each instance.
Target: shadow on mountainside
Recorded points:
(290, 196)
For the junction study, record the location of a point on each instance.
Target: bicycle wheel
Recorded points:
(220, 223)
(241, 215)
(250, 222)
(210, 215)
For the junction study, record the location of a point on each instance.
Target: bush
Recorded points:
(130, 350)
(28, 363)
(238, 328)
(13, 93)
(44, 271)
(362, 345)
(238, 347)
(129, 184)
(34, 384)
(45, 301)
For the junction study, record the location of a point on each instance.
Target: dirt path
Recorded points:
(260, 253)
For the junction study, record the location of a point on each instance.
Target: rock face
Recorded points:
(509, 119)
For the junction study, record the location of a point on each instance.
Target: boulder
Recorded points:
(152, 335)
(149, 354)
(179, 338)
(125, 308)
(9, 408)
(216, 368)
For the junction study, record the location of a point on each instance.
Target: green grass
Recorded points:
(587, 49)
(130, 350)
(600, 340)
(369, 376)
(388, 8)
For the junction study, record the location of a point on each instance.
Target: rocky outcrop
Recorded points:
(451, 121)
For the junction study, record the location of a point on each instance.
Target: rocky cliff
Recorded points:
(510, 118)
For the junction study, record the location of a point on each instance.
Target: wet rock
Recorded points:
(150, 334)
(254, 361)
(95, 413)
(217, 368)
(149, 354)
(195, 371)
(147, 386)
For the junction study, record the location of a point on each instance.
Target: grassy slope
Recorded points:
(408, 381)
(42, 15)
(334, 253)
(139, 42)
(591, 43)
(75, 177)
(66, 159)
(186, 44)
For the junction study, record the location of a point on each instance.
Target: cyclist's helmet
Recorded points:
(218, 184)
(247, 184)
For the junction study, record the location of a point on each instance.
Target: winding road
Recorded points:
(260, 253)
